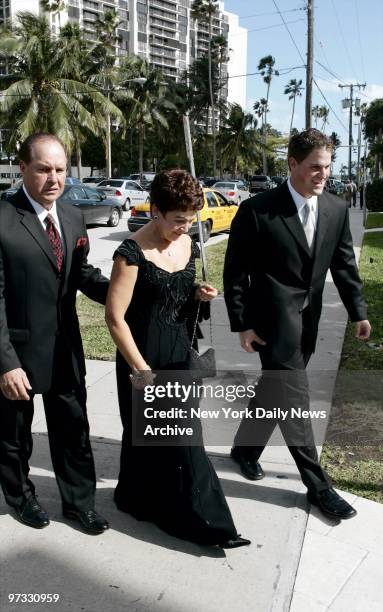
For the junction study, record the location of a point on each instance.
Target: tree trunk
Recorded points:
(292, 116)
(78, 156)
(212, 98)
(141, 138)
(264, 158)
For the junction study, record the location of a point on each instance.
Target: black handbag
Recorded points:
(202, 363)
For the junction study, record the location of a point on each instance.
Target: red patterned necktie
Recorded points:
(55, 240)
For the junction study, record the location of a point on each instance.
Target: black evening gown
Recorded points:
(175, 487)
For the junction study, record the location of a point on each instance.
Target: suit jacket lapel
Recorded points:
(30, 221)
(289, 215)
(68, 235)
(322, 225)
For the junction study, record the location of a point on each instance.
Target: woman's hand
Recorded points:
(141, 378)
(205, 292)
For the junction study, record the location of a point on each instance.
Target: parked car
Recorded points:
(8, 193)
(92, 180)
(216, 215)
(97, 208)
(209, 181)
(260, 182)
(145, 179)
(244, 184)
(278, 180)
(335, 186)
(127, 193)
(234, 191)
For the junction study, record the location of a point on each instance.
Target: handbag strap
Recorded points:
(196, 323)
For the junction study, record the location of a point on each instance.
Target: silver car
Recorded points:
(234, 191)
(126, 193)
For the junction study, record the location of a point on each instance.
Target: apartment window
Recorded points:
(91, 5)
(89, 16)
(123, 4)
(74, 3)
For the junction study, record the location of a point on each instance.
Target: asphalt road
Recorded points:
(104, 240)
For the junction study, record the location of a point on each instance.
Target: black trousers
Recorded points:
(284, 385)
(68, 432)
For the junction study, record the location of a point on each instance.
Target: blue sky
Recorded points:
(348, 48)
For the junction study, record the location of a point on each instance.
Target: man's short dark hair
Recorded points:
(26, 148)
(176, 190)
(301, 145)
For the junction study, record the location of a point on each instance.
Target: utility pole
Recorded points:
(349, 103)
(310, 59)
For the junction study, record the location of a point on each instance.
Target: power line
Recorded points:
(277, 25)
(273, 13)
(359, 39)
(316, 84)
(343, 38)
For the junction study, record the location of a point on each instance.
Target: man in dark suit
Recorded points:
(43, 263)
(281, 245)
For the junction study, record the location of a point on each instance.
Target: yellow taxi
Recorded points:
(216, 215)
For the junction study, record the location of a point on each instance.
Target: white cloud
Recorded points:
(374, 91)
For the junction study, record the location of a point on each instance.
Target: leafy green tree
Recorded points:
(373, 130)
(236, 137)
(204, 11)
(38, 95)
(293, 89)
(55, 7)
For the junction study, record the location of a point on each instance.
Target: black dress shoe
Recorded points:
(32, 514)
(90, 520)
(331, 504)
(235, 543)
(251, 470)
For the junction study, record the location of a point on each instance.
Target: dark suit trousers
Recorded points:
(284, 385)
(68, 432)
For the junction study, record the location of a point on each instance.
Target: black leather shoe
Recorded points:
(90, 520)
(32, 514)
(331, 504)
(235, 543)
(251, 470)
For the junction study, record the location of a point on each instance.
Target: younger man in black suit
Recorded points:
(43, 262)
(281, 245)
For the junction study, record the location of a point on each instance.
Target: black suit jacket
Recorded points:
(269, 268)
(38, 322)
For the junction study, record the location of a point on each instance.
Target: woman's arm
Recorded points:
(122, 282)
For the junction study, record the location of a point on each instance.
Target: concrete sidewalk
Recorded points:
(135, 567)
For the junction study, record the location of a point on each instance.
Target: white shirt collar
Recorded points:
(299, 200)
(42, 212)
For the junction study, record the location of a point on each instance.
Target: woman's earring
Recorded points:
(155, 216)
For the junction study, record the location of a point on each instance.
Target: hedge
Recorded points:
(374, 195)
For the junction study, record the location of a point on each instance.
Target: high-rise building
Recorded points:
(161, 31)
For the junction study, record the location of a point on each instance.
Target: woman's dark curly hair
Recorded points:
(176, 190)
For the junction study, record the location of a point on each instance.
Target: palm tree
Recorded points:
(266, 68)
(199, 100)
(324, 115)
(39, 94)
(147, 103)
(293, 88)
(204, 11)
(236, 136)
(55, 7)
(316, 113)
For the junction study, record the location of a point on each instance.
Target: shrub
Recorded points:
(374, 195)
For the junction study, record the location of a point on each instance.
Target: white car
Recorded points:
(234, 191)
(127, 193)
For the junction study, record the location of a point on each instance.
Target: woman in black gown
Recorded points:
(151, 290)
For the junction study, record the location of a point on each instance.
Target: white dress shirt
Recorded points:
(42, 213)
(300, 202)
